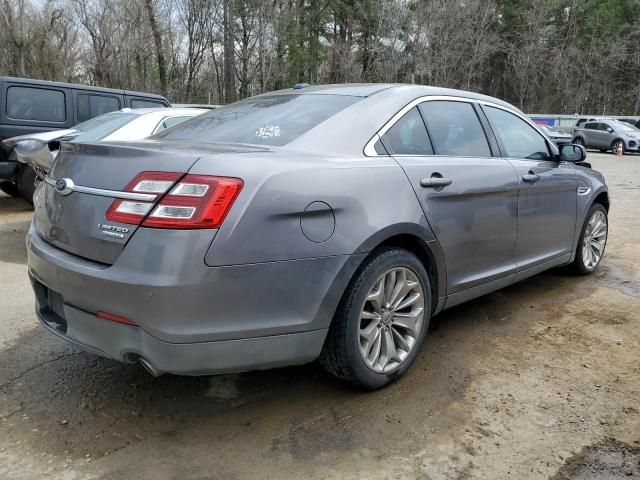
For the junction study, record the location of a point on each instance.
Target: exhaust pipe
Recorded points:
(150, 368)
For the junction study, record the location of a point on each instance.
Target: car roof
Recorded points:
(371, 89)
(77, 86)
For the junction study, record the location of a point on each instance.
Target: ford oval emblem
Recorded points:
(64, 186)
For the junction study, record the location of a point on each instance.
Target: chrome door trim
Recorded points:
(101, 192)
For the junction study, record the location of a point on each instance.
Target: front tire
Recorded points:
(381, 321)
(593, 240)
(616, 144)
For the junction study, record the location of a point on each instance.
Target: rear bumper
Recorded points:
(190, 318)
(127, 344)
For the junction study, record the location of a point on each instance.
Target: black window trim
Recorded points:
(369, 150)
(38, 87)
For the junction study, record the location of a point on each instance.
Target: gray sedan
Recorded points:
(322, 222)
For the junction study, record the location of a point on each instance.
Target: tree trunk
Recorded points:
(229, 54)
(157, 38)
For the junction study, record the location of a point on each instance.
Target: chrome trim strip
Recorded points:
(101, 192)
(370, 151)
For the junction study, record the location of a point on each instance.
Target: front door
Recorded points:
(547, 200)
(469, 196)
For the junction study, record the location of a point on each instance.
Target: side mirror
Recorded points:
(572, 153)
(610, 130)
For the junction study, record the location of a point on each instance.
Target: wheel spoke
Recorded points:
(374, 353)
(408, 321)
(365, 315)
(401, 342)
(390, 284)
(409, 300)
(400, 289)
(376, 295)
(389, 347)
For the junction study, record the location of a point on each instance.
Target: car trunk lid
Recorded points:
(75, 222)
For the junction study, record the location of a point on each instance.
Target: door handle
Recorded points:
(435, 182)
(531, 178)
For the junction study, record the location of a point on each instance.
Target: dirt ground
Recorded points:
(539, 380)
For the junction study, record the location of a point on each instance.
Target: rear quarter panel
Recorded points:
(360, 195)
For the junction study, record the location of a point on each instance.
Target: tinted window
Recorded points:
(269, 120)
(146, 104)
(90, 106)
(591, 126)
(455, 129)
(25, 103)
(519, 139)
(408, 136)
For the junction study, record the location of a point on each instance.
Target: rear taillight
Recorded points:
(196, 201)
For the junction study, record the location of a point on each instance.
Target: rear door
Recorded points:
(468, 195)
(547, 200)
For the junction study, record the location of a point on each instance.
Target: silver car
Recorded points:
(40, 149)
(608, 135)
(326, 222)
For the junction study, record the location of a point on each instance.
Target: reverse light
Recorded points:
(196, 201)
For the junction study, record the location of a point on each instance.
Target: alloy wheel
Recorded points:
(594, 240)
(391, 319)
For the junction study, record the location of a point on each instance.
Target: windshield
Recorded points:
(271, 120)
(99, 127)
(628, 128)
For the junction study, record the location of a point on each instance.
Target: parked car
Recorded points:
(31, 106)
(39, 150)
(557, 136)
(608, 135)
(635, 122)
(327, 222)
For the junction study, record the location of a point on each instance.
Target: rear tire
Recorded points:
(578, 141)
(10, 189)
(592, 241)
(26, 182)
(370, 319)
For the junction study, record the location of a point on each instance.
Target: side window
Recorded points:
(101, 104)
(137, 103)
(591, 126)
(408, 136)
(90, 106)
(455, 129)
(520, 140)
(170, 122)
(604, 127)
(26, 103)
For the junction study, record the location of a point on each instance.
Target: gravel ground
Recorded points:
(539, 380)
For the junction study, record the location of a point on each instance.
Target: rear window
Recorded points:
(272, 120)
(40, 104)
(99, 127)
